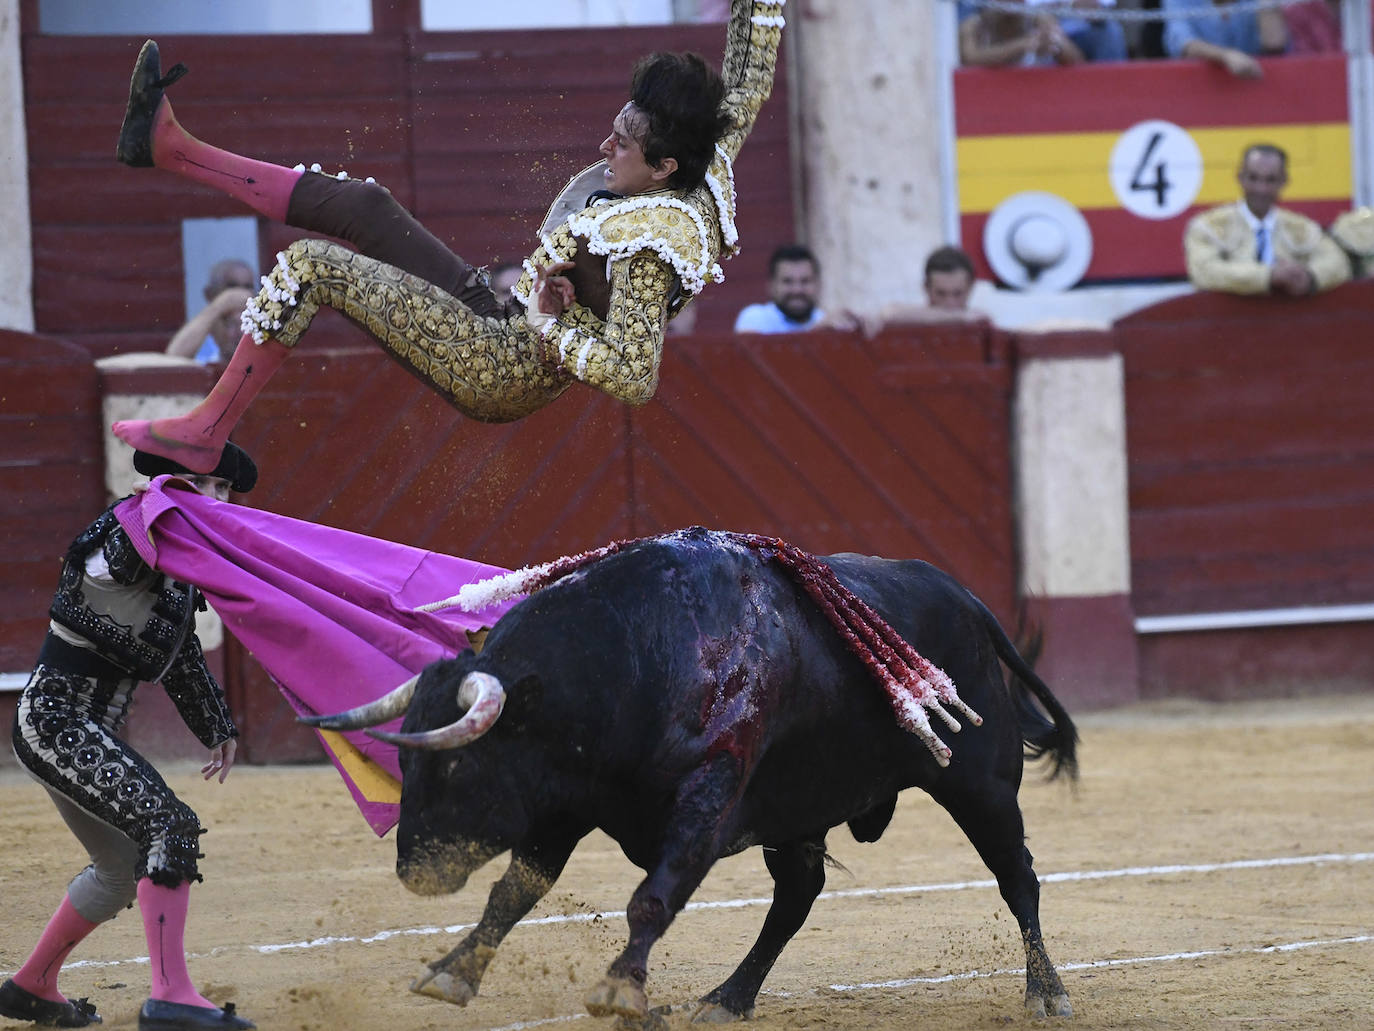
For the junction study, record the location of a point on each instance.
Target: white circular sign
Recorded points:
(1037, 242)
(1155, 169)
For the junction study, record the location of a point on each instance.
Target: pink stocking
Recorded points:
(264, 187)
(65, 930)
(164, 925)
(197, 438)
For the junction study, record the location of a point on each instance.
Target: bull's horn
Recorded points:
(481, 695)
(387, 707)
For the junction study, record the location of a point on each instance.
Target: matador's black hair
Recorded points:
(681, 96)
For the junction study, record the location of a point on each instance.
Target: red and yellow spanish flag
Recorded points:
(1065, 131)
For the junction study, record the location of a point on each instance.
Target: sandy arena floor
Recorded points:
(1214, 869)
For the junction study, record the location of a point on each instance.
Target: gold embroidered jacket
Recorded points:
(1219, 247)
(1354, 231)
(654, 251)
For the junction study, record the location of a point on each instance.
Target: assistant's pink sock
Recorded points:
(65, 930)
(264, 187)
(164, 926)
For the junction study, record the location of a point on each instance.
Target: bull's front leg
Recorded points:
(798, 870)
(689, 848)
(531, 873)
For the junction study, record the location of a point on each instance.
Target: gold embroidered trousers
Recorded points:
(491, 368)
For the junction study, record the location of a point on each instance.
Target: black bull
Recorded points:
(689, 699)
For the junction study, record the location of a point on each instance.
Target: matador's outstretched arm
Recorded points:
(751, 54)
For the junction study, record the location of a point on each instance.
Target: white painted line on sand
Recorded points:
(1099, 964)
(972, 975)
(854, 893)
(326, 941)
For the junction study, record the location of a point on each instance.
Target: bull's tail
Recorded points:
(1053, 735)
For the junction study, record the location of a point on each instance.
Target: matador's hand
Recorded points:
(553, 293)
(221, 759)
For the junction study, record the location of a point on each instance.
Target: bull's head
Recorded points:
(443, 835)
(480, 700)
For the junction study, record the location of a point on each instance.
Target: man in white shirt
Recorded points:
(794, 283)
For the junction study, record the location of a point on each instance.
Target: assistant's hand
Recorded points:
(221, 759)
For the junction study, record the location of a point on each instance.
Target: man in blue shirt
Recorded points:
(211, 334)
(794, 282)
(1230, 39)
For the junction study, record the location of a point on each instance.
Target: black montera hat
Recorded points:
(234, 466)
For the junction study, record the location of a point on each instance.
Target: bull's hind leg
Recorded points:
(532, 872)
(798, 870)
(991, 818)
(689, 847)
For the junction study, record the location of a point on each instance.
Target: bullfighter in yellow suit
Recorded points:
(1256, 247)
(594, 299)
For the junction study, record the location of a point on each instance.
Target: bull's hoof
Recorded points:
(618, 997)
(1038, 1007)
(657, 1020)
(440, 984)
(715, 1013)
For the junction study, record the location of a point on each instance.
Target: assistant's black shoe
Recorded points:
(157, 1015)
(135, 146)
(19, 1004)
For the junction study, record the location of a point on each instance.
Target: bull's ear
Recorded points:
(449, 672)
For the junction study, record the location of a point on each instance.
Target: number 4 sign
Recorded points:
(1156, 169)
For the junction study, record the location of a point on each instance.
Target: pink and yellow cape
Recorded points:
(331, 615)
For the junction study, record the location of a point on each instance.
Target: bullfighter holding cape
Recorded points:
(331, 615)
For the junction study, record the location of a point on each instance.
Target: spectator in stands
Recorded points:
(949, 278)
(1354, 232)
(794, 284)
(1314, 26)
(1099, 39)
(997, 38)
(1231, 39)
(1254, 246)
(211, 334)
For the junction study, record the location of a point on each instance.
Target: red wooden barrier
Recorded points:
(52, 477)
(1251, 439)
(897, 447)
(52, 483)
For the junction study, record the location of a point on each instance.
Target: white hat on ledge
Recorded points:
(1038, 241)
